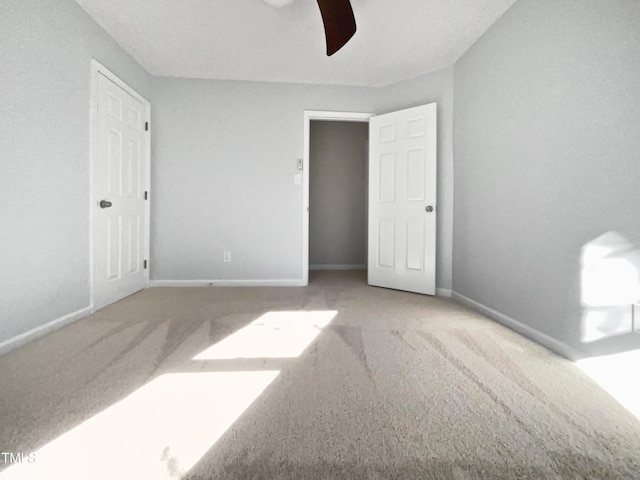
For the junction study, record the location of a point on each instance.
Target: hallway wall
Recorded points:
(338, 193)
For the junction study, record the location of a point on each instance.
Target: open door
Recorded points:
(120, 179)
(402, 200)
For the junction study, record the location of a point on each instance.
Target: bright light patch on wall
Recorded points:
(610, 284)
(158, 432)
(273, 335)
(603, 323)
(615, 374)
(609, 281)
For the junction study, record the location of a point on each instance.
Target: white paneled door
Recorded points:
(120, 180)
(402, 200)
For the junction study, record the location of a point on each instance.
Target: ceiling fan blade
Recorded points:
(339, 23)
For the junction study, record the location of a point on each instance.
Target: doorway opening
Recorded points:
(335, 194)
(401, 210)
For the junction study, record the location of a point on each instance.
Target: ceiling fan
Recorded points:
(337, 17)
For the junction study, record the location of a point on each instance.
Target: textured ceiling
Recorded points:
(249, 40)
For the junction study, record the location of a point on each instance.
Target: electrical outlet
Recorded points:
(226, 256)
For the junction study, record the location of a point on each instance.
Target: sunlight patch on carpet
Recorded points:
(160, 431)
(273, 335)
(164, 428)
(616, 374)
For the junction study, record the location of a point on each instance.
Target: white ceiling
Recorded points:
(249, 40)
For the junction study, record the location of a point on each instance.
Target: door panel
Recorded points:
(415, 175)
(387, 178)
(386, 242)
(120, 177)
(402, 232)
(415, 245)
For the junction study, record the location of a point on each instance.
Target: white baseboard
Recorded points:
(443, 292)
(297, 282)
(42, 330)
(337, 267)
(543, 339)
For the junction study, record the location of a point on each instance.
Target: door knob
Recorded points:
(105, 204)
(429, 209)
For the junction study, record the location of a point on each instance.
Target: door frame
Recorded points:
(98, 68)
(327, 116)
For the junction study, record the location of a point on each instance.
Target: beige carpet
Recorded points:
(397, 386)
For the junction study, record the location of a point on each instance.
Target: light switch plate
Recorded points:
(297, 179)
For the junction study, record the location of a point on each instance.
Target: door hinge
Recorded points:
(146, 195)
(145, 264)
(146, 126)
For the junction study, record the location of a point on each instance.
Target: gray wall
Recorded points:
(338, 193)
(224, 160)
(224, 157)
(45, 51)
(547, 155)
